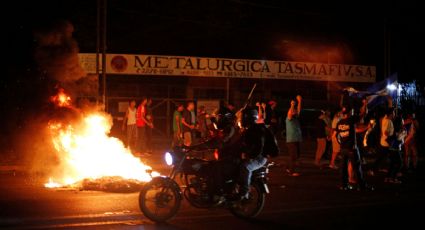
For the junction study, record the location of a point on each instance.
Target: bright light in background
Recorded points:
(391, 87)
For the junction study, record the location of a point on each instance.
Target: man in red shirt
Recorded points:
(141, 123)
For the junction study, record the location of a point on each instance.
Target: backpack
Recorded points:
(271, 147)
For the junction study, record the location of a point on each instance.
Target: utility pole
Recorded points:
(104, 55)
(101, 50)
(98, 47)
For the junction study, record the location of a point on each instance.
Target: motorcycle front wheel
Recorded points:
(251, 207)
(159, 200)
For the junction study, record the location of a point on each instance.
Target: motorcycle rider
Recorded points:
(227, 141)
(253, 155)
(243, 148)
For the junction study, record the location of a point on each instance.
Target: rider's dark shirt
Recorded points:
(254, 139)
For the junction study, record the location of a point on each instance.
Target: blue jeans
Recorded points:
(247, 167)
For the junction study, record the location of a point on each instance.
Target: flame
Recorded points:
(52, 184)
(61, 99)
(85, 151)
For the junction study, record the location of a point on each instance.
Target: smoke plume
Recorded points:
(56, 54)
(318, 52)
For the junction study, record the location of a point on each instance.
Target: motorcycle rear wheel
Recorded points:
(251, 207)
(159, 201)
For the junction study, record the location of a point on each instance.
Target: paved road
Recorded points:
(310, 201)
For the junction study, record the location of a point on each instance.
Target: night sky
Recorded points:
(253, 29)
(235, 29)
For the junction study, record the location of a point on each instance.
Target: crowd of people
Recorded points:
(349, 137)
(366, 140)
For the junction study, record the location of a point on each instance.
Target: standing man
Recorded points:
(188, 123)
(149, 128)
(177, 125)
(320, 137)
(387, 131)
(336, 149)
(410, 147)
(202, 122)
(293, 134)
(141, 123)
(129, 123)
(395, 140)
(273, 119)
(346, 135)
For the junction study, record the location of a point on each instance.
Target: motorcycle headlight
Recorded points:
(168, 158)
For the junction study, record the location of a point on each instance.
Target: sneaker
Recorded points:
(333, 167)
(346, 187)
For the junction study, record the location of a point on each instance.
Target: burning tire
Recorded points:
(160, 199)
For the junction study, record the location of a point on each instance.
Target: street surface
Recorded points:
(310, 201)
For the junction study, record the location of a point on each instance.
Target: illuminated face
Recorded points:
(293, 103)
(132, 104)
(190, 106)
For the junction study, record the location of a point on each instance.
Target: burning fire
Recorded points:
(86, 151)
(61, 99)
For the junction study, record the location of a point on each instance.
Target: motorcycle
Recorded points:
(160, 199)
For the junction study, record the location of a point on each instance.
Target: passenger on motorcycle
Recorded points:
(253, 146)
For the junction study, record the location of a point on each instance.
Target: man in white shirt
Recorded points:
(387, 133)
(387, 128)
